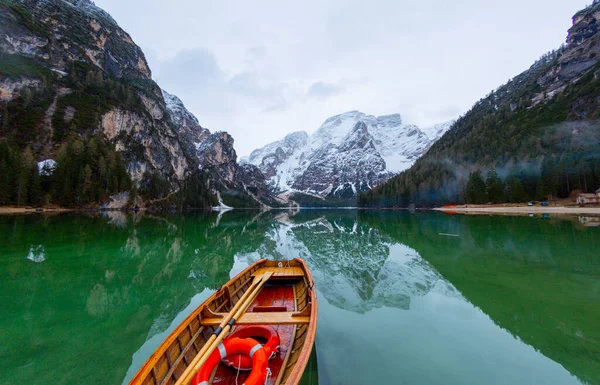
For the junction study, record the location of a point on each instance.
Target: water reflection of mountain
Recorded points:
(537, 278)
(355, 267)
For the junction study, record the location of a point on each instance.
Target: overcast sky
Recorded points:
(262, 69)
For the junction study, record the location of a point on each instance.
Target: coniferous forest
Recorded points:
(87, 170)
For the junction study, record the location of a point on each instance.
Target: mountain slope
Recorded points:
(539, 131)
(215, 157)
(70, 74)
(348, 154)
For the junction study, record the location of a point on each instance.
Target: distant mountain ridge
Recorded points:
(348, 154)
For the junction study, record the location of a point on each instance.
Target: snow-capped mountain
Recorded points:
(348, 154)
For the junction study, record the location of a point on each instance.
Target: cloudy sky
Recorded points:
(262, 69)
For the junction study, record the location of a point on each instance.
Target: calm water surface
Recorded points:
(404, 298)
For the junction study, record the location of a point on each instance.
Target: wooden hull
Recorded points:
(289, 291)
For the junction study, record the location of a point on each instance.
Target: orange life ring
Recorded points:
(230, 346)
(243, 362)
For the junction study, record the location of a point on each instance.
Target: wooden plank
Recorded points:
(240, 287)
(286, 359)
(182, 356)
(292, 272)
(154, 375)
(291, 347)
(275, 318)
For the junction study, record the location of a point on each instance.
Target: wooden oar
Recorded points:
(223, 328)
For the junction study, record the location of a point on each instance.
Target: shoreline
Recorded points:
(474, 209)
(33, 210)
(520, 210)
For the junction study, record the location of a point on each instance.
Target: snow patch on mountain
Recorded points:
(179, 114)
(46, 167)
(436, 131)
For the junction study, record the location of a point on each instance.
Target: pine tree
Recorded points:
(494, 187)
(4, 182)
(35, 192)
(5, 118)
(516, 191)
(551, 179)
(476, 189)
(87, 183)
(66, 195)
(541, 192)
(26, 164)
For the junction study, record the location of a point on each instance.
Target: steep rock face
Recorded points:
(217, 156)
(158, 152)
(189, 130)
(90, 77)
(216, 153)
(60, 32)
(10, 89)
(342, 171)
(250, 179)
(581, 53)
(348, 154)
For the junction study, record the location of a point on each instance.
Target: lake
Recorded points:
(425, 298)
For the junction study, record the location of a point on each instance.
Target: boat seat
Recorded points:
(258, 318)
(288, 272)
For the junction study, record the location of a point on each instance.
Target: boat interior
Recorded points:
(283, 303)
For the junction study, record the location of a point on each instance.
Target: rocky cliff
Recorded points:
(67, 68)
(348, 154)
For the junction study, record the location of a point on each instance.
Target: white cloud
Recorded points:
(262, 69)
(322, 90)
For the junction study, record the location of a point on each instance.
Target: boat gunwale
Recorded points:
(308, 345)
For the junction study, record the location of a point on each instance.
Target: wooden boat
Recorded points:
(276, 293)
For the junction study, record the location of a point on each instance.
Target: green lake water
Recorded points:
(424, 298)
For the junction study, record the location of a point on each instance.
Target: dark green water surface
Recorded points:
(404, 298)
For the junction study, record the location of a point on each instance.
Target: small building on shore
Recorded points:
(588, 199)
